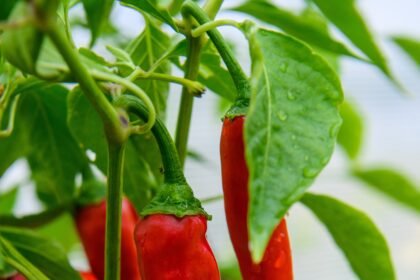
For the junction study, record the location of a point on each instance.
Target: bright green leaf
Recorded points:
(301, 27)
(410, 46)
(21, 46)
(145, 50)
(356, 235)
(44, 254)
(393, 184)
(350, 136)
(291, 127)
(97, 13)
(346, 17)
(150, 8)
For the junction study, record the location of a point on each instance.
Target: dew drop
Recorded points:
(282, 115)
(310, 172)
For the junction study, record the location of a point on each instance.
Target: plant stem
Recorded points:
(212, 25)
(187, 99)
(105, 110)
(113, 211)
(240, 79)
(195, 87)
(212, 7)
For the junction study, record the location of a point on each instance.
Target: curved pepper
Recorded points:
(277, 261)
(90, 222)
(171, 235)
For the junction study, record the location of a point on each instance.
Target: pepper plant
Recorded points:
(82, 112)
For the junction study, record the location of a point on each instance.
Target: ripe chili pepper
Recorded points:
(91, 221)
(277, 261)
(171, 235)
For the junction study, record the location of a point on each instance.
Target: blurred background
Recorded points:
(391, 137)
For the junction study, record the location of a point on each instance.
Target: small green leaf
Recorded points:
(410, 46)
(121, 55)
(346, 17)
(393, 184)
(6, 8)
(301, 27)
(21, 46)
(350, 136)
(145, 50)
(45, 255)
(150, 8)
(356, 235)
(97, 12)
(291, 127)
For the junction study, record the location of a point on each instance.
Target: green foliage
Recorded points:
(356, 235)
(350, 137)
(410, 46)
(346, 17)
(302, 27)
(145, 50)
(97, 13)
(45, 255)
(21, 47)
(393, 184)
(151, 9)
(7, 201)
(142, 166)
(291, 128)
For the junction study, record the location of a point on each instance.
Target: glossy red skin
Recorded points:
(170, 248)
(277, 260)
(85, 276)
(91, 221)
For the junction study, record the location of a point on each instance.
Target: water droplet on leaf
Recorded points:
(310, 172)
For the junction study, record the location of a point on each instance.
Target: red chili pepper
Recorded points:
(90, 221)
(171, 248)
(277, 261)
(171, 235)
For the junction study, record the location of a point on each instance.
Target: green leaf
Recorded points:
(44, 254)
(304, 28)
(346, 17)
(7, 201)
(145, 50)
(291, 127)
(6, 8)
(410, 46)
(360, 240)
(97, 12)
(150, 8)
(393, 184)
(21, 46)
(141, 167)
(350, 136)
(51, 151)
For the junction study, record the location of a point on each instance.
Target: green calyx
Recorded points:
(175, 197)
(177, 200)
(239, 108)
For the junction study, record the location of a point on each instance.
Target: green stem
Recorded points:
(212, 25)
(240, 79)
(135, 90)
(212, 7)
(170, 160)
(113, 211)
(187, 99)
(105, 110)
(175, 7)
(195, 87)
